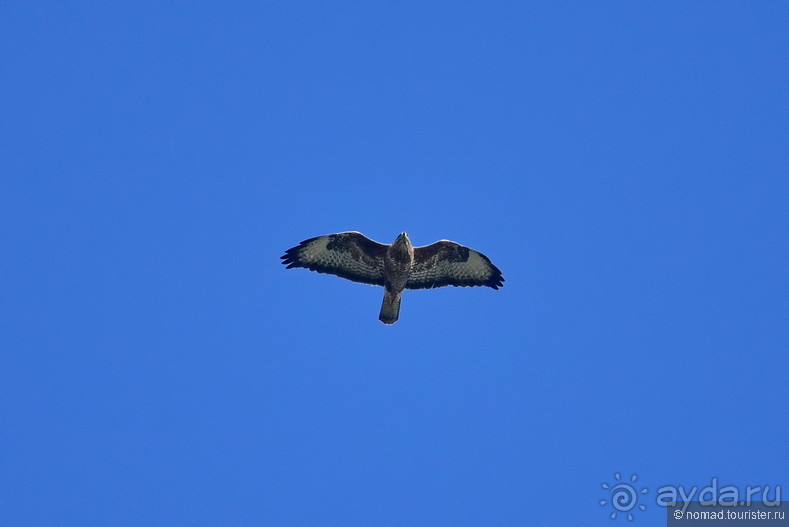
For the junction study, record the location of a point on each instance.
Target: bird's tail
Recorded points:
(390, 308)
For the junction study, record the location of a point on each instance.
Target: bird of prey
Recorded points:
(396, 267)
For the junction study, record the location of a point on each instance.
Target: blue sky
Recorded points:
(624, 164)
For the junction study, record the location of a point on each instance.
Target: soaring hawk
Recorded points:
(398, 266)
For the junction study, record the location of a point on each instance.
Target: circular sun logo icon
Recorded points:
(624, 496)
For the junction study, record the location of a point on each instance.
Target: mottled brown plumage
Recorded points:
(396, 267)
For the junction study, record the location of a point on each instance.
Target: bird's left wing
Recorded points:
(349, 255)
(449, 263)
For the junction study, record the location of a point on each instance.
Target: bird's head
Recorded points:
(403, 240)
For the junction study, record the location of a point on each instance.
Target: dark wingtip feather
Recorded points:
(496, 279)
(291, 256)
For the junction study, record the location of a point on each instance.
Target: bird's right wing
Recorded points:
(449, 263)
(349, 255)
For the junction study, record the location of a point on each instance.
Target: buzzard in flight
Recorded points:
(398, 266)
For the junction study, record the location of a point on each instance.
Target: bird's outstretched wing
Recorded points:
(449, 263)
(349, 255)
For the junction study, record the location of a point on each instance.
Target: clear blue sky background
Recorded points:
(625, 165)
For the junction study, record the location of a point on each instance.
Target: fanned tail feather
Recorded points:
(390, 308)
